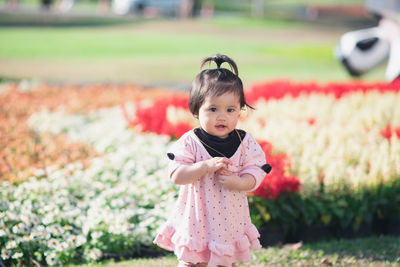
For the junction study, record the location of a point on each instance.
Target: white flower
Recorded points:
(56, 230)
(96, 235)
(147, 240)
(45, 236)
(28, 237)
(94, 254)
(51, 258)
(20, 228)
(35, 233)
(3, 231)
(67, 227)
(6, 254)
(80, 240)
(48, 219)
(11, 244)
(53, 243)
(17, 255)
(62, 246)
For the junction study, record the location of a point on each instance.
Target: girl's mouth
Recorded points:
(220, 127)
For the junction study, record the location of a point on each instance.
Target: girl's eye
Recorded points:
(213, 109)
(231, 110)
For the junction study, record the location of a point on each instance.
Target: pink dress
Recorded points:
(209, 223)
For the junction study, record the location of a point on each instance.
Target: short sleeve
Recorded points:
(184, 153)
(255, 159)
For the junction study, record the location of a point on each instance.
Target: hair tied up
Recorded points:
(219, 59)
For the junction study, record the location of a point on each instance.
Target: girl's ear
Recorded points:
(196, 116)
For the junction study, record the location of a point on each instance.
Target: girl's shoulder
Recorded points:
(248, 138)
(245, 136)
(186, 139)
(186, 135)
(183, 150)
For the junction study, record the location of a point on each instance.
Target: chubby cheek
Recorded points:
(204, 121)
(206, 117)
(234, 119)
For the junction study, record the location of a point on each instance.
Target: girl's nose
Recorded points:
(221, 116)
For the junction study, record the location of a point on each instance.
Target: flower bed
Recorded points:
(23, 150)
(74, 211)
(338, 145)
(335, 152)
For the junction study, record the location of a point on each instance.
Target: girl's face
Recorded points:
(219, 115)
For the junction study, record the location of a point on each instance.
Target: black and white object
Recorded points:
(362, 50)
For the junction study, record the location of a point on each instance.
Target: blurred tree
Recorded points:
(46, 4)
(257, 8)
(188, 8)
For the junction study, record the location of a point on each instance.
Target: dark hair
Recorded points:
(215, 82)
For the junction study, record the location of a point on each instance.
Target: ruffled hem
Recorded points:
(190, 250)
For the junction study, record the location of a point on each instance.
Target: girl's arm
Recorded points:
(187, 174)
(234, 182)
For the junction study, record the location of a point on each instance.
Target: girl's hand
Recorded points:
(216, 164)
(235, 182)
(230, 181)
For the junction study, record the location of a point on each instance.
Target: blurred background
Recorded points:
(161, 42)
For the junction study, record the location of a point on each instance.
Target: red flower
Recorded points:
(397, 131)
(180, 128)
(311, 121)
(276, 182)
(388, 131)
(153, 117)
(279, 89)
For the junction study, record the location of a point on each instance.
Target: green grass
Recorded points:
(242, 22)
(103, 44)
(317, 2)
(113, 43)
(371, 251)
(169, 51)
(245, 6)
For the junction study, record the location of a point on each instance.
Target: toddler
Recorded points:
(215, 164)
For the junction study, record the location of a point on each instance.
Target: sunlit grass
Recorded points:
(371, 251)
(160, 51)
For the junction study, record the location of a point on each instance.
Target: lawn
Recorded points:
(153, 52)
(371, 251)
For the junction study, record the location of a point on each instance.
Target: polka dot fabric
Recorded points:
(209, 223)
